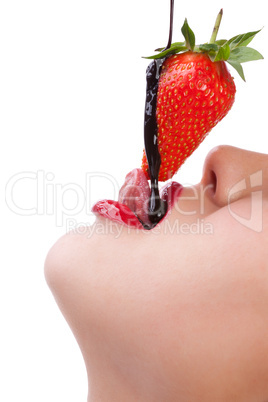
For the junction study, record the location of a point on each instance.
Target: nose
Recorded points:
(232, 173)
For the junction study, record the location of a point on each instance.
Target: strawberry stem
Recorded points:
(216, 27)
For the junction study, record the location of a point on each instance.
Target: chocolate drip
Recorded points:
(157, 207)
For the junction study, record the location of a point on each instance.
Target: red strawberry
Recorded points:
(195, 92)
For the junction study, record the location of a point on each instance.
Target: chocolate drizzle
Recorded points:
(157, 207)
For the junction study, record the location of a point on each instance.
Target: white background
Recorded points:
(72, 90)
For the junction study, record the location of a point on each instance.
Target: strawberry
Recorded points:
(195, 92)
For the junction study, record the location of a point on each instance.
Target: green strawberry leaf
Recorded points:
(243, 54)
(175, 44)
(220, 42)
(208, 47)
(223, 53)
(237, 66)
(172, 50)
(188, 35)
(242, 39)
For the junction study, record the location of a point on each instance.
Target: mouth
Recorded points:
(131, 209)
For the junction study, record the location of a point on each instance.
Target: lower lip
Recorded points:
(120, 213)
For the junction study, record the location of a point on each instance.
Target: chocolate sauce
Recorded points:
(157, 207)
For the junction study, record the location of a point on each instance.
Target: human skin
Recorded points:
(178, 313)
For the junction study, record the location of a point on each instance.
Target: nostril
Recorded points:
(213, 181)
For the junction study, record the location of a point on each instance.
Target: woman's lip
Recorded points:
(120, 213)
(117, 212)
